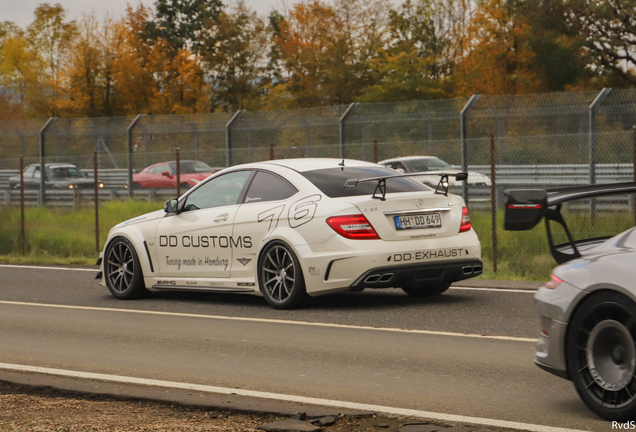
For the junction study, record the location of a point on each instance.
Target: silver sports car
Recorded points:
(588, 308)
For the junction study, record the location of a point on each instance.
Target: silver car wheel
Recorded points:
(278, 274)
(119, 267)
(601, 354)
(280, 277)
(611, 357)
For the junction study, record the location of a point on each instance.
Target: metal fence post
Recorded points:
(592, 116)
(95, 176)
(131, 127)
(343, 132)
(196, 139)
(22, 228)
(228, 136)
(493, 199)
(463, 120)
(178, 157)
(41, 196)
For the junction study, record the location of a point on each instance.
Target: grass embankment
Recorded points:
(55, 236)
(67, 237)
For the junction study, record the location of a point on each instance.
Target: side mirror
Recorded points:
(171, 206)
(461, 176)
(166, 173)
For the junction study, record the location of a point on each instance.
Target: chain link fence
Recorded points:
(538, 141)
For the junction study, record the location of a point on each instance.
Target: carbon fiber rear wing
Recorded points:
(442, 186)
(526, 207)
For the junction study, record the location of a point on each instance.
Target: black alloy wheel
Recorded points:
(122, 270)
(601, 354)
(280, 277)
(427, 290)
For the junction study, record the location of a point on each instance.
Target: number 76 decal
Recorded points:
(300, 212)
(303, 210)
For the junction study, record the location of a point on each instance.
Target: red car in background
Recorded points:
(164, 174)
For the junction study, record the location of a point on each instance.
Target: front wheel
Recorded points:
(280, 277)
(601, 357)
(428, 290)
(122, 270)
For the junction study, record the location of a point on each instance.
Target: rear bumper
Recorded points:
(419, 274)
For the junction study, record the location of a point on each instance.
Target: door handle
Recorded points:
(221, 218)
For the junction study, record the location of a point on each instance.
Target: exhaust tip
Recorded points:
(477, 269)
(386, 277)
(467, 270)
(372, 279)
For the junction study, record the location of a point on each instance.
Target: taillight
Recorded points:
(355, 227)
(553, 283)
(465, 226)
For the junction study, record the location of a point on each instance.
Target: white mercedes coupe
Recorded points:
(294, 228)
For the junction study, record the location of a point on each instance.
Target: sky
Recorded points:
(21, 11)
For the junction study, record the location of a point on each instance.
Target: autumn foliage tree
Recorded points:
(498, 59)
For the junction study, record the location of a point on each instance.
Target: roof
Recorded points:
(310, 164)
(54, 165)
(407, 158)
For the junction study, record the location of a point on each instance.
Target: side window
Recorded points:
(221, 191)
(269, 187)
(159, 169)
(28, 173)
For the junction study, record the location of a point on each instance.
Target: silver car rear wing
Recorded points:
(442, 186)
(526, 207)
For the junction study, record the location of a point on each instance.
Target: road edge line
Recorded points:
(284, 397)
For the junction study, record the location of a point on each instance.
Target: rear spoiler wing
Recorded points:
(526, 207)
(442, 186)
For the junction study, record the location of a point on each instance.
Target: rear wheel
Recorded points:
(122, 270)
(601, 356)
(427, 290)
(280, 277)
(184, 187)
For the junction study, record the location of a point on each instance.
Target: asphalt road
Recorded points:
(453, 374)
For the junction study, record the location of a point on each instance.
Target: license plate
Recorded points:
(428, 220)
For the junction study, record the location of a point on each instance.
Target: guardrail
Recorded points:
(77, 198)
(509, 175)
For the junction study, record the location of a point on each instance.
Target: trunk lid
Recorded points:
(427, 208)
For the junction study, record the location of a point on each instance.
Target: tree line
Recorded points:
(196, 56)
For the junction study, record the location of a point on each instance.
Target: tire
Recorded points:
(601, 357)
(280, 277)
(136, 186)
(429, 290)
(184, 187)
(122, 270)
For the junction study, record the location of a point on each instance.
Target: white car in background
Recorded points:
(430, 166)
(294, 228)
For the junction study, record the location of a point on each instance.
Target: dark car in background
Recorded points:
(57, 176)
(164, 174)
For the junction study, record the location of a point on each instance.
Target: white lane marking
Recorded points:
(49, 268)
(272, 321)
(532, 291)
(285, 397)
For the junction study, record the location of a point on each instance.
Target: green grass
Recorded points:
(63, 236)
(67, 237)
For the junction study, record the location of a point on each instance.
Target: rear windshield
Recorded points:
(331, 181)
